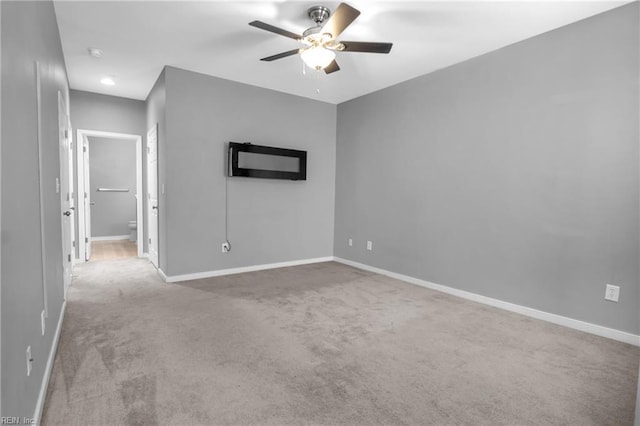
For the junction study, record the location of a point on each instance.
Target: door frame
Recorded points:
(153, 231)
(65, 187)
(82, 134)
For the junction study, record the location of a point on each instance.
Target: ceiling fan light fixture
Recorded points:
(320, 42)
(317, 57)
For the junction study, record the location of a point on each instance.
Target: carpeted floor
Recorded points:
(322, 344)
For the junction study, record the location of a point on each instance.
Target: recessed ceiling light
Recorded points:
(96, 53)
(108, 81)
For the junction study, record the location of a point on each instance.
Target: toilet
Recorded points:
(133, 230)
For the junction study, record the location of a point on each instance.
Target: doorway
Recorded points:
(107, 193)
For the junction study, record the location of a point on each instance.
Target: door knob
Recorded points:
(155, 207)
(67, 213)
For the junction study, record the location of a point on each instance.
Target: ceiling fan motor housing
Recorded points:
(313, 35)
(318, 14)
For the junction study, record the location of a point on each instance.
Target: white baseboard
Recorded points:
(162, 274)
(221, 272)
(49, 367)
(111, 238)
(621, 336)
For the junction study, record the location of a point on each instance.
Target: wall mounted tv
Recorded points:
(257, 161)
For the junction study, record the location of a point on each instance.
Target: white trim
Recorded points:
(113, 135)
(111, 238)
(221, 272)
(80, 211)
(41, 186)
(49, 367)
(139, 197)
(161, 272)
(598, 330)
(152, 237)
(82, 133)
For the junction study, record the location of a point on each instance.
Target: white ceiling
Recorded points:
(213, 37)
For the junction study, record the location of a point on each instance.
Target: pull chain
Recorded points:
(304, 72)
(318, 82)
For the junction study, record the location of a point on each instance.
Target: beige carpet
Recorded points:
(321, 344)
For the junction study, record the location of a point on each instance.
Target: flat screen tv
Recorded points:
(267, 162)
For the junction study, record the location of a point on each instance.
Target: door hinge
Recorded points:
(73, 244)
(86, 240)
(149, 240)
(84, 149)
(66, 134)
(68, 258)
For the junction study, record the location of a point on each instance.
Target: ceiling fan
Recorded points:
(320, 44)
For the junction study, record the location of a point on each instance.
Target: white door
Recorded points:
(152, 193)
(64, 135)
(72, 195)
(87, 200)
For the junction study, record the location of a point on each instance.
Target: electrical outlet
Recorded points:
(29, 361)
(43, 321)
(350, 242)
(612, 293)
(369, 246)
(226, 248)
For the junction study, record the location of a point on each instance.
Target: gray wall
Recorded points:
(0, 216)
(29, 33)
(112, 165)
(513, 175)
(93, 111)
(269, 220)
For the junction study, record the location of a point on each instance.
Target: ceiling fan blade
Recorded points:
(332, 67)
(341, 18)
(281, 55)
(271, 28)
(368, 47)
